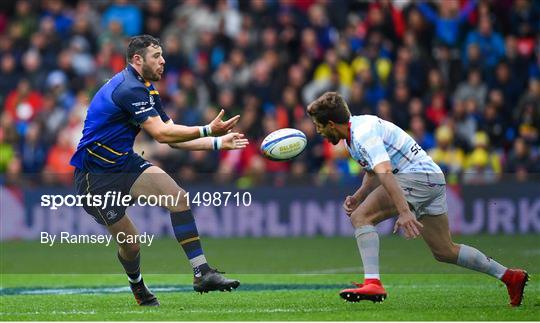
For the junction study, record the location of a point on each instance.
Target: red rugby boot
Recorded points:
(371, 290)
(515, 280)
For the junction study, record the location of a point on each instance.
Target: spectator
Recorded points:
(7, 153)
(316, 88)
(32, 151)
(10, 77)
(51, 117)
(490, 42)
(437, 112)
(494, 126)
(448, 65)
(241, 72)
(374, 92)
(473, 88)
(384, 111)
(521, 161)
(155, 18)
(446, 155)
(417, 130)
(400, 104)
(482, 166)
(524, 18)
(508, 85)
(516, 62)
(129, 16)
(25, 19)
(449, 19)
(527, 115)
(23, 104)
(61, 17)
(357, 102)
(326, 33)
(267, 60)
(465, 125)
(196, 93)
(289, 112)
(332, 62)
(57, 168)
(33, 70)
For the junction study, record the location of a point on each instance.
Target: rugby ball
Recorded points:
(284, 144)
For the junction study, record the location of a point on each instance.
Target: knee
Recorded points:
(178, 203)
(360, 218)
(447, 255)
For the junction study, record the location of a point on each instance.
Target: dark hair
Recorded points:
(138, 44)
(329, 107)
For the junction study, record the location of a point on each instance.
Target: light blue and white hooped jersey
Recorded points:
(373, 140)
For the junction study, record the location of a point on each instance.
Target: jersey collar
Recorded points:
(137, 75)
(348, 140)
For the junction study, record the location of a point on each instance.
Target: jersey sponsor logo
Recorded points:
(138, 104)
(363, 151)
(146, 163)
(152, 102)
(143, 110)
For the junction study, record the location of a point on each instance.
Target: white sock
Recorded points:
(367, 240)
(472, 258)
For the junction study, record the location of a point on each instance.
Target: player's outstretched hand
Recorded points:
(350, 204)
(407, 221)
(233, 140)
(220, 127)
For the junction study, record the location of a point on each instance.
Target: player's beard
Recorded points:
(333, 138)
(149, 74)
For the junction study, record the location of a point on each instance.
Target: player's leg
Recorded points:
(129, 257)
(154, 181)
(376, 208)
(437, 235)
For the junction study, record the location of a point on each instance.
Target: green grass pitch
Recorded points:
(282, 279)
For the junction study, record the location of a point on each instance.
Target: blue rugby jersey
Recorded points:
(372, 140)
(113, 121)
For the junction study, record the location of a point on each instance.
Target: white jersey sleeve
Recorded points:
(371, 146)
(373, 141)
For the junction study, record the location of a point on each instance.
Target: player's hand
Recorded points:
(220, 127)
(407, 221)
(350, 204)
(233, 140)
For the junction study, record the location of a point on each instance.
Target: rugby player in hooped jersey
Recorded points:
(401, 179)
(105, 161)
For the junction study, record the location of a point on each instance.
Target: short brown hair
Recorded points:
(138, 46)
(329, 107)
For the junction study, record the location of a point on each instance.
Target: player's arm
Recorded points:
(138, 103)
(172, 133)
(369, 183)
(229, 141)
(169, 133)
(406, 218)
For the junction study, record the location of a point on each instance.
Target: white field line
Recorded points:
(341, 270)
(197, 311)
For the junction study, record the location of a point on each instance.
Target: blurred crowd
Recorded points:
(461, 76)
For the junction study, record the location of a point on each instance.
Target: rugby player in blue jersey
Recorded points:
(105, 161)
(401, 179)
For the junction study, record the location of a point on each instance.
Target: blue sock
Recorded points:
(187, 235)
